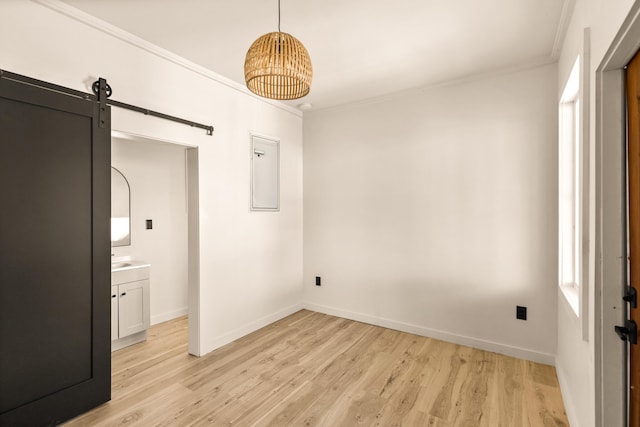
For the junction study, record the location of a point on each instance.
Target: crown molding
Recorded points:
(563, 26)
(120, 34)
(534, 63)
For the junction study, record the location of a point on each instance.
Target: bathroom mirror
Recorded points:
(120, 209)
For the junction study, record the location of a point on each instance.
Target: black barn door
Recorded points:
(54, 255)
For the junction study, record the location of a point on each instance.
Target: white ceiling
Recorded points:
(360, 49)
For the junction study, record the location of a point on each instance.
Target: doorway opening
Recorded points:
(163, 178)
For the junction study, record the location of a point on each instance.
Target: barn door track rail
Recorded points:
(101, 88)
(101, 93)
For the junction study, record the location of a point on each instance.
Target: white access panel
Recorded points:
(265, 174)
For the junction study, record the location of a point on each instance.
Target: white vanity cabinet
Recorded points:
(129, 308)
(130, 316)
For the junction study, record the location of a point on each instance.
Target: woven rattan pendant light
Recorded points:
(278, 66)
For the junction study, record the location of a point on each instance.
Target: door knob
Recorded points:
(628, 332)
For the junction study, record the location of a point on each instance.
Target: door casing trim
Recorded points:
(611, 223)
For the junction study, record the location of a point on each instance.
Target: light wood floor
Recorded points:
(312, 369)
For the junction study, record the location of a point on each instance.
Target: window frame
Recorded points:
(571, 180)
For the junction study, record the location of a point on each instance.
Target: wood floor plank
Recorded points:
(311, 369)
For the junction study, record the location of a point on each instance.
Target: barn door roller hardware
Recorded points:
(102, 90)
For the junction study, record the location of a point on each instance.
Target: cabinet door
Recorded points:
(114, 313)
(133, 307)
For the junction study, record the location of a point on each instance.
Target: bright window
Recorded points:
(569, 191)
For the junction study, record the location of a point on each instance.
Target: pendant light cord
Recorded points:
(279, 16)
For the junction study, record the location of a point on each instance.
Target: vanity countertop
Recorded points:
(128, 265)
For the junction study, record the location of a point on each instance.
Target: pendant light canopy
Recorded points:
(278, 66)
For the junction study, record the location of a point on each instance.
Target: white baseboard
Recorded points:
(521, 353)
(129, 340)
(569, 408)
(248, 328)
(163, 317)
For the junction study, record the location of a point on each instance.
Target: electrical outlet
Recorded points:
(149, 224)
(521, 312)
(318, 283)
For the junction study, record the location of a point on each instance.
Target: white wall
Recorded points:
(250, 263)
(434, 211)
(156, 174)
(575, 360)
